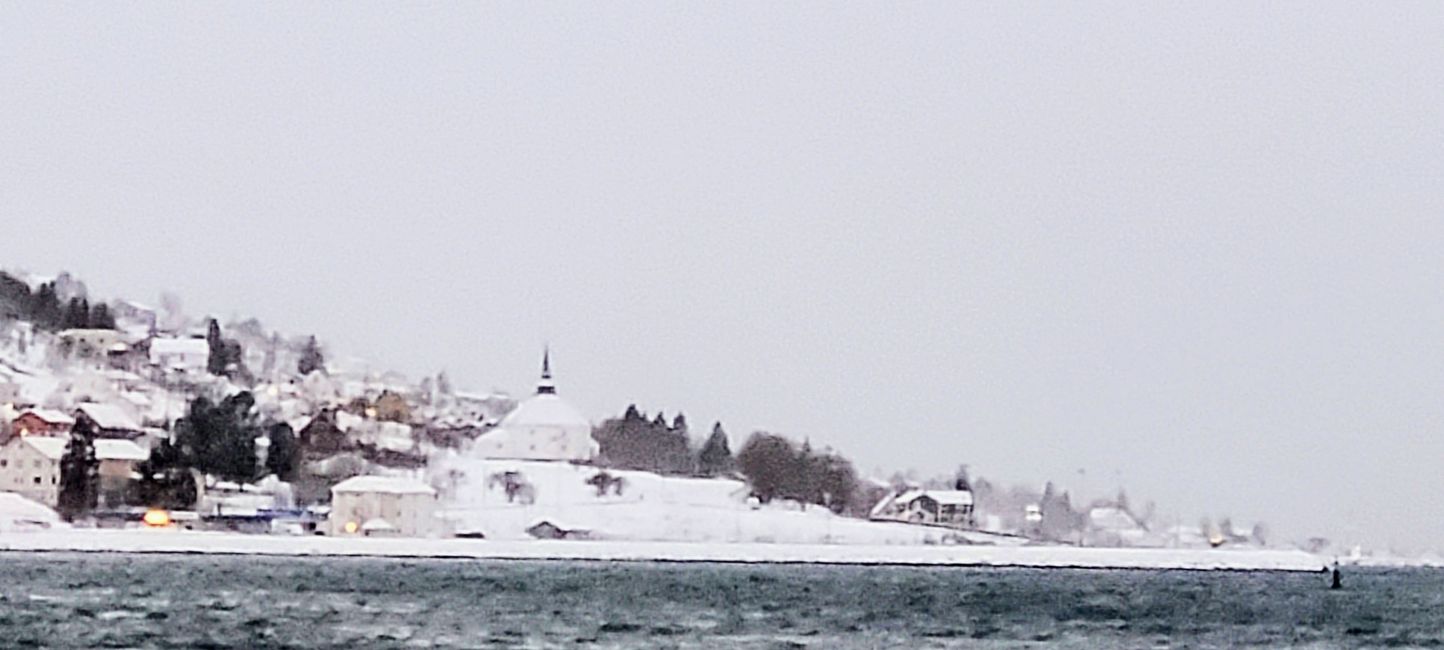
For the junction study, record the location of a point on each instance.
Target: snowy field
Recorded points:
(174, 541)
(653, 508)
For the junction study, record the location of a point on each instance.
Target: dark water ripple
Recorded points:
(147, 601)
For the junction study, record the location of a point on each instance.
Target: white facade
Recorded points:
(30, 467)
(543, 427)
(368, 505)
(190, 355)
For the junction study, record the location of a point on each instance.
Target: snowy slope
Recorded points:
(651, 507)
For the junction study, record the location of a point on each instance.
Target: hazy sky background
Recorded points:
(1197, 250)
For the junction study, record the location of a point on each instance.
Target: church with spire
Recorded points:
(542, 427)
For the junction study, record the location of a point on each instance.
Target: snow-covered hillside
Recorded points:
(650, 507)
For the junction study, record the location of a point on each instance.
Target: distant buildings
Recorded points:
(542, 427)
(374, 506)
(952, 508)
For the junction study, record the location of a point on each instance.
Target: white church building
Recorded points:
(542, 427)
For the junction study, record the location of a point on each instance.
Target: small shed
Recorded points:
(548, 529)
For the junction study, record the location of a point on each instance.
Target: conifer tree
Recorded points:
(715, 458)
(283, 457)
(79, 479)
(311, 358)
(216, 364)
(101, 318)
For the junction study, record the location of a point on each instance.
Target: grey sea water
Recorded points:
(151, 601)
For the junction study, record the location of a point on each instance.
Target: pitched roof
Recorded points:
(51, 417)
(106, 416)
(943, 497)
(106, 449)
(52, 448)
(159, 346)
(383, 484)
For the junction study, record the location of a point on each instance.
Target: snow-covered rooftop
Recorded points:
(943, 497)
(383, 484)
(52, 448)
(106, 449)
(1112, 518)
(161, 346)
(544, 410)
(108, 417)
(50, 416)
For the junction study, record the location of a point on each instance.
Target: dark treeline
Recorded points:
(653, 445)
(46, 310)
(775, 467)
(778, 468)
(216, 438)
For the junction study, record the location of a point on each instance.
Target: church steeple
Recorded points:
(545, 386)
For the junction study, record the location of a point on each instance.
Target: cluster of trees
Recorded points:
(44, 308)
(635, 442)
(216, 438)
(775, 467)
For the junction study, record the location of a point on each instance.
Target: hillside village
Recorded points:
(118, 414)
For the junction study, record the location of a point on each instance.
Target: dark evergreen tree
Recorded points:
(45, 309)
(283, 457)
(715, 458)
(79, 479)
(219, 439)
(960, 480)
(165, 480)
(216, 363)
(101, 318)
(312, 360)
(77, 315)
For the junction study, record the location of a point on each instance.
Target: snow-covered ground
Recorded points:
(653, 508)
(174, 541)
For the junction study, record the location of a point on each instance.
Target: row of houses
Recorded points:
(30, 467)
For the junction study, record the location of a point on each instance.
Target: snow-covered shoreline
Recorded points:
(184, 542)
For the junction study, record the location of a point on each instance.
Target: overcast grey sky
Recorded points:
(1196, 249)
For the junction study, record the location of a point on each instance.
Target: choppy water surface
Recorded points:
(65, 600)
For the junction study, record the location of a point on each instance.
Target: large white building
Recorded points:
(30, 467)
(382, 506)
(542, 427)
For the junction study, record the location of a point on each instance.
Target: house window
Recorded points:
(4, 462)
(37, 480)
(37, 464)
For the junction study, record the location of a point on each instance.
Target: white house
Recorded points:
(30, 467)
(542, 427)
(382, 505)
(944, 507)
(1115, 526)
(189, 355)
